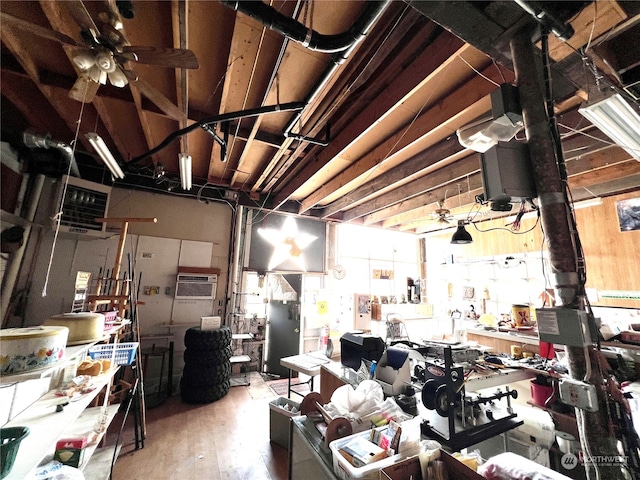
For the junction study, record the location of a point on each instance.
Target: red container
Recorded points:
(540, 393)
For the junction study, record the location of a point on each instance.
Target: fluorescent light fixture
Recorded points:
(98, 144)
(590, 202)
(617, 119)
(185, 170)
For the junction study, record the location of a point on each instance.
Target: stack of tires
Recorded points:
(207, 368)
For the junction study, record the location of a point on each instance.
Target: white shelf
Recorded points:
(47, 426)
(240, 359)
(242, 336)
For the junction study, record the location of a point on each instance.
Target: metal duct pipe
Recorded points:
(15, 259)
(560, 29)
(298, 32)
(33, 140)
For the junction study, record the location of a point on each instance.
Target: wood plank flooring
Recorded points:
(227, 439)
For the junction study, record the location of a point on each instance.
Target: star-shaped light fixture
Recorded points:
(288, 244)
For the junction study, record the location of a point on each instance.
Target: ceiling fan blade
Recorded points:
(162, 102)
(81, 16)
(166, 57)
(84, 89)
(43, 32)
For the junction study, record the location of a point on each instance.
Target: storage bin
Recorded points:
(10, 439)
(345, 471)
(280, 412)
(125, 352)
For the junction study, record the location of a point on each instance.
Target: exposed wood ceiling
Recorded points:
(381, 115)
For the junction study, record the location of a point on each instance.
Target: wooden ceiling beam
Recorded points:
(471, 183)
(411, 80)
(180, 40)
(395, 41)
(460, 107)
(430, 158)
(457, 171)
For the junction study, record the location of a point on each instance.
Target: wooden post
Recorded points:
(595, 435)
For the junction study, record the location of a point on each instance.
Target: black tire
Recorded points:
(203, 394)
(207, 358)
(207, 376)
(207, 339)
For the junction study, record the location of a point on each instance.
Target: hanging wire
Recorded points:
(495, 64)
(58, 215)
(478, 72)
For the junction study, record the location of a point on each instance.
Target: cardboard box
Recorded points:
(70, 451)
(411, 467)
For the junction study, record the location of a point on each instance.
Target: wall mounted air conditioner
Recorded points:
(196, 286)
(84, 202)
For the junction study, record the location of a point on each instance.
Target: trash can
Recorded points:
(280, 412)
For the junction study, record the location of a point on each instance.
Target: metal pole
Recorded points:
(595, 436)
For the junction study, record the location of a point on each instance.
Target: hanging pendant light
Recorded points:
(461, 235)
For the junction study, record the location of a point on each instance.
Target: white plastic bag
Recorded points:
(356, 403)
(509, 466)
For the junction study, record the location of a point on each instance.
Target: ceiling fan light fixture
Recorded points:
(461, 236)
(613, 115)
(185, 170)
(105, 154)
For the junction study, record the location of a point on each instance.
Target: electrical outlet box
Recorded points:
(578, 394)
(563, 326)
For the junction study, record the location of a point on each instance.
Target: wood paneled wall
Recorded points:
(612, 257)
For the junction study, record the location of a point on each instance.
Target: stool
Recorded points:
(159, 352)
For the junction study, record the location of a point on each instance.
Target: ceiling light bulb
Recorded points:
(117, 78)
(95, 73)
(84, 60)
(185, 170)
(106, 62)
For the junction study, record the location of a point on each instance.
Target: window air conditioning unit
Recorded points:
(196, 286)
(84, 202)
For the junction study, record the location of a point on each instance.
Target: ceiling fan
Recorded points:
(442, 215)
(105, 54)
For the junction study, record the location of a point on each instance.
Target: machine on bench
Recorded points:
(456, 418)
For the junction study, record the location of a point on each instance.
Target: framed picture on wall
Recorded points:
(628, 214)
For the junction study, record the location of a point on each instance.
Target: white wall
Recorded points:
(178, 218)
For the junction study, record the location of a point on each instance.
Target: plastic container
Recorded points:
(110, 318)
(10, 439)
(345, 471)
(540, 393)
(280, 412)
(125, 352)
